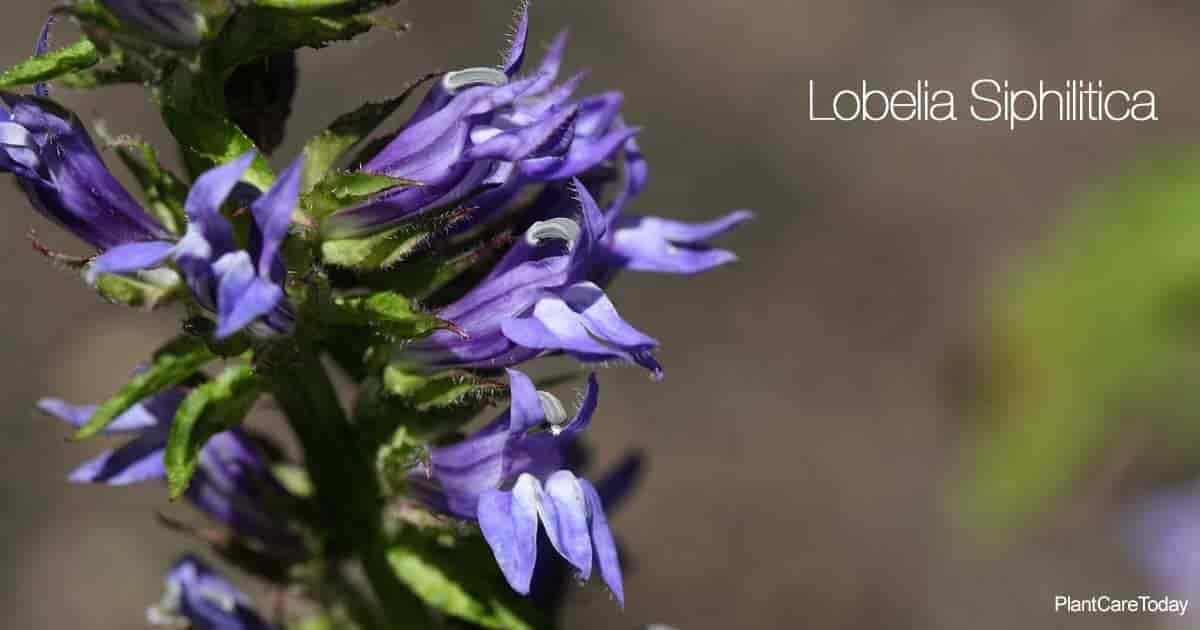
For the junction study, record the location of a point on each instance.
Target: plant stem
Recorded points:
(347, 490)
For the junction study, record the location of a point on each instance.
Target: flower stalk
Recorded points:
(344, 481)
(430, 266)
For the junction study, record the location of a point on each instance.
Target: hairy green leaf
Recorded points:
(377, 251)
(165, 192)
(441, 390)
(57, 63)
(209, 409)
(192, 102)
(325, 7)
(323, 151)
(146, 289)
(341, 189)
(388, 313)
(458, 576)
(172, 364)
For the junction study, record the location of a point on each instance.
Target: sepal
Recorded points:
(384, 249)
(215, 406)
(164, 191)
(55, 64)
(173, 364)
(342, 189)
(146, 290)
(456, 575)
(442, 390)
(325, 7)
(390, 316)
(347, 131)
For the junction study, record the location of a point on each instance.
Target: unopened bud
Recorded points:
(174, 23)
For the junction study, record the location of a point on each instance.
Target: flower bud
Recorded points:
(174, 23)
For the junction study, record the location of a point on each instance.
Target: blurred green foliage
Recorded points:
(1091, 337)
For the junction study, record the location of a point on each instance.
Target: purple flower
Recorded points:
(641, 243)
(644, 243)
(199, 598)
(241, 286)
(480, 128)
(174, 23)
(510, 476)
(1165, 540)
(232, 483)
(58, 168)
(538, 300)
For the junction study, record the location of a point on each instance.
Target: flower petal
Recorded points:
(581, 157)
(554, 325)
(515, 56)
(137, 461)
(551, 62)
(129, 258)
(526, 411)
(587, 408)
(650, 243)
(468, 469)
(567, 523)
(136, 418)
(602, 318)
(603, 543)
(203, 204)
(550, 136)
(509, 524)
(273, 214)
(242, 296)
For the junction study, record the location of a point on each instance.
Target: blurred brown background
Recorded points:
(801, 442)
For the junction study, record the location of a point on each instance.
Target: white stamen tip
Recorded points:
(556, 414)
(454, 81)
(166, 613)
(222, 600)
(561, 228)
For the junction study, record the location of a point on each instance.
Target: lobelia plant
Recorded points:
(478, 237)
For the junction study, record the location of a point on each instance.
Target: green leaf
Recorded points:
(192, 98)
(397, 457)
(172, 364)
(146, 289)
(377, 251)
(1099, 323)
(424, 392)
(192, 102)
(426, 276)
(427, 407)
(256, 32)
(165, 192)
(341, 189)
(388, 247)
(324, 150)
(294, 479)
(458, 576)
(209, 409)
(325, 7)
(389, 313)
(57, 63)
